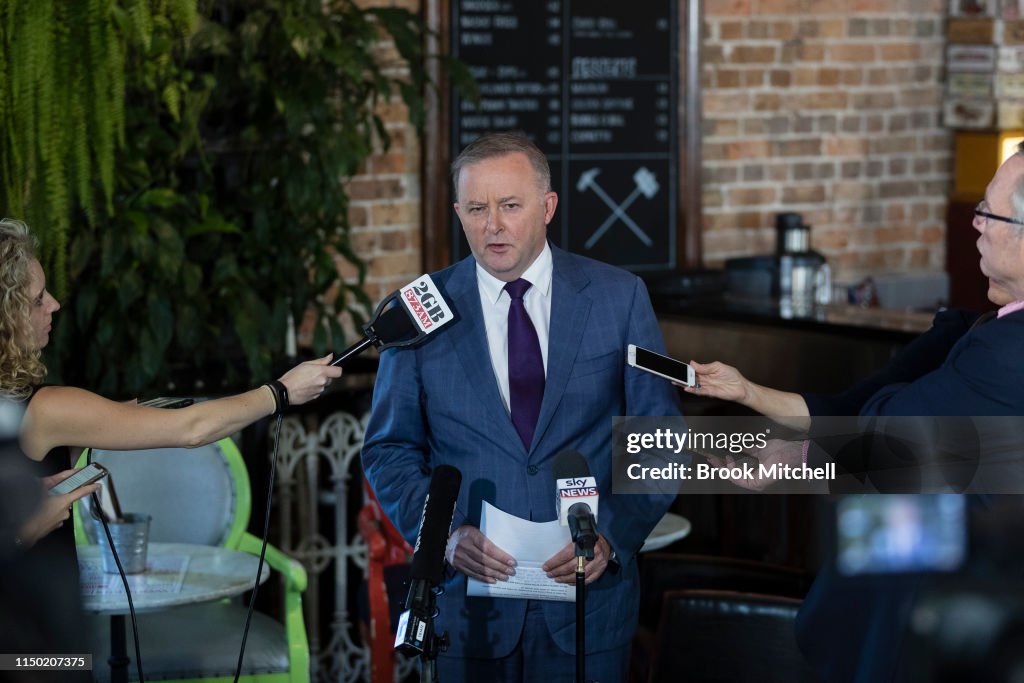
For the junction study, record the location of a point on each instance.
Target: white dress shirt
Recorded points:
(495, 302)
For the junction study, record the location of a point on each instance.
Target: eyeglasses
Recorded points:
(995, 217)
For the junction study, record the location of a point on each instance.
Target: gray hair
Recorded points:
(493, 145)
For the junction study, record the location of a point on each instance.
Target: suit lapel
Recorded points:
(470, 341)
(569, 313)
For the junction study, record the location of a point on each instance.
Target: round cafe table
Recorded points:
(176, 574)
(668, 530)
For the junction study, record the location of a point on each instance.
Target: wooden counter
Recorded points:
(824, 349)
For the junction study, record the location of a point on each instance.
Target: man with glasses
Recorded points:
(982, 373)
(999, 218)
(851, 633)
(963, 366)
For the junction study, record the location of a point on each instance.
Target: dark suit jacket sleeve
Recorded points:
(626, 520)
(922, 355)
(982, 376)
(394, 452)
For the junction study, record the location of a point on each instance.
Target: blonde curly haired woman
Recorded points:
(60, 417)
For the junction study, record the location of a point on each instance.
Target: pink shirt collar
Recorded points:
(1010, 308)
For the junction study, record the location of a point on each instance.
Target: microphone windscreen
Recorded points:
(569, 464)
(394, 324)
(438, 511)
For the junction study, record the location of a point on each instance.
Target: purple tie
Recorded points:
(525, 365)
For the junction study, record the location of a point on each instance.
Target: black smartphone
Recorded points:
(660, 365)
(167, 402)
(87, 475)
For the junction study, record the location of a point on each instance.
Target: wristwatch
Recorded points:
(613, 562)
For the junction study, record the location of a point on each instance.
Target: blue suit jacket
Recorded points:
(440, 404)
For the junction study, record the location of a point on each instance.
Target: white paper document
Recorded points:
(531, 543)
(164, 574)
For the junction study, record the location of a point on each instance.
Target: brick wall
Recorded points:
(385, 209)
(830, 108)
(384, 212)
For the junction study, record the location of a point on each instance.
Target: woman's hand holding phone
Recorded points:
(54, 510)
(718, 380)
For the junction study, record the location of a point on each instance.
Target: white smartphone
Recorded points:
(660, 365)
(86, 475)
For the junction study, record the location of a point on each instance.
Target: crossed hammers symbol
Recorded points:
(646, 185)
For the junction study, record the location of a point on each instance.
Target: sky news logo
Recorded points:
(577, 487)
(578, 492)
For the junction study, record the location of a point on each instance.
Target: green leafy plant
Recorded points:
(62, 93)
(229, 212)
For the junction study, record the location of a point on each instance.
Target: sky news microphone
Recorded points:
(577, 500)
(428, 559)
(404, 318)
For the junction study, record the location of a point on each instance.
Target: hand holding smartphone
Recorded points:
(662, 366)
(83, 477)
(55, 509)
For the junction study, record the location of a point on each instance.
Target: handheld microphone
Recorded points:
(577, 500)
(404, 318)
(428, 560)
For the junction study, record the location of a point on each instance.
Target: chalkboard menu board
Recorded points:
(594, 84)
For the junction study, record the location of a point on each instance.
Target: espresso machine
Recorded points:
(804, 276)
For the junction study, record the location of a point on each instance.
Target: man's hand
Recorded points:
(474, 555)
(562, 565)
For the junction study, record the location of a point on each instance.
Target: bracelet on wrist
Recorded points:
(280, 393)
(277, 398)
(277, 401)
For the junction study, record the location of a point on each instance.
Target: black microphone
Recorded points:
(428, 559)
(404, 318)
(577, 500)
(583, 529)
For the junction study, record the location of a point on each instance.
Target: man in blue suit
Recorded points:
(855, 631)
(460, 400)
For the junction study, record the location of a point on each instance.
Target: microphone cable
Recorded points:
(263, 549)
(97, 513)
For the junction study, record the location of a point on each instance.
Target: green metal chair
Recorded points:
(201, 496)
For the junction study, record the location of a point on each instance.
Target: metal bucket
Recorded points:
(131, 540)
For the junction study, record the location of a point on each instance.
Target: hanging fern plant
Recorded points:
(62, 99)
(229, 211)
